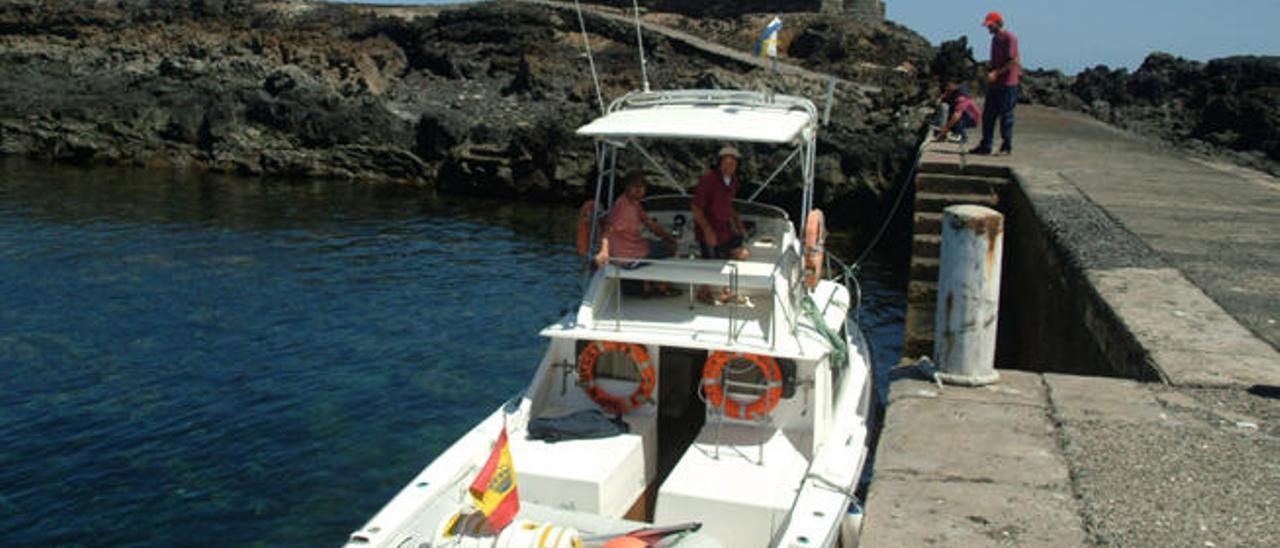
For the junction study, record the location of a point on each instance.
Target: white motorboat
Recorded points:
(748, 417)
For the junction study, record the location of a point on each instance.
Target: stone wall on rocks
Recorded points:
(720, 8)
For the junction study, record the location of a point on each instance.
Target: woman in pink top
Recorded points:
(622, 239)
(964, 112)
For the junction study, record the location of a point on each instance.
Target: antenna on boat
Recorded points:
(586, 43)
(644, 71)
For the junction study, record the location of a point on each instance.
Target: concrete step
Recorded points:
(938, 201)
(924, 269)
(926, 245)
(948, 166)
(922, 292)
(918, 331)
(913, 347)
(952, 183)
(927, 222)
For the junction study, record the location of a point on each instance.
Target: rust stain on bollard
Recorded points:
(992, 227)
(993, 238)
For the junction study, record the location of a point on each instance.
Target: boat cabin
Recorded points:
(747, 415)
(725, 404)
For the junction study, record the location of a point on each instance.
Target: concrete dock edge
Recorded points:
(1164, 264)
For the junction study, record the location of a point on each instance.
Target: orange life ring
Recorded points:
(815, 236)
(713, 386)
(615, 404)
(585, 214)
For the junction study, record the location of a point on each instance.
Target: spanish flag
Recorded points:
(767, 44)
(494, 490)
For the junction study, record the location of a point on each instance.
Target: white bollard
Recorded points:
(964, 329)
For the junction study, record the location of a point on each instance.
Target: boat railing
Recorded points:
(736, 275)
(763, 421)
(695, 97)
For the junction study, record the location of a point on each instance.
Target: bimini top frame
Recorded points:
(721, 116)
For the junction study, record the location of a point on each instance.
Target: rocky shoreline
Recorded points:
(477, 99)
(482, 99)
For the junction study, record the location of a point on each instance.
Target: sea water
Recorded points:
(196, 360)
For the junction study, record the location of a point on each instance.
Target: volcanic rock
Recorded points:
(1228, 107)
(475, 99)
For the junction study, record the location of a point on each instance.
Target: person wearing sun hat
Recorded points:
(1002, 86)
(716, 224)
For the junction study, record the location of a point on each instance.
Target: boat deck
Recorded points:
(760, 323)
(684, 316)
(747, 274)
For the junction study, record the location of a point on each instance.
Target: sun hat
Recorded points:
(729, 150)
(993, 18)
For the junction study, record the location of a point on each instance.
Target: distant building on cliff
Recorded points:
(866, 10)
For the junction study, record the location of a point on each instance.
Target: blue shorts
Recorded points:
(721, 251)
(657, 250)
(963, 125)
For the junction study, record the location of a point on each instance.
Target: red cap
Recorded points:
(993, 18)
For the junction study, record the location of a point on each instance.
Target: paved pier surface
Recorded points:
(1186, 255)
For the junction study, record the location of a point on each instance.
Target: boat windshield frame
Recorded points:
(706, 115)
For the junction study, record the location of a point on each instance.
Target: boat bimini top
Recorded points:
(718, 115)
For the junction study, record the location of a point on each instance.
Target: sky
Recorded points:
(1072, 35)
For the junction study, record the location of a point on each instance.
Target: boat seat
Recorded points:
(735, 473)
(751, 274)
(604, 475)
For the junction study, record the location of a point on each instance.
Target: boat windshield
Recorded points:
(685, 203)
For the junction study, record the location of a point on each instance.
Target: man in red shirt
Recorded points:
(716, 224)
(1002, 86)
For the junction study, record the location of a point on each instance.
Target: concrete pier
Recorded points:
(1139, 402)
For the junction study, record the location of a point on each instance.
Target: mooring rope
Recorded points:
(839, 350)
(823, 481)
(902, 191)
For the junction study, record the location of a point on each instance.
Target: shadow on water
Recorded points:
(195, 200)
(195, 359)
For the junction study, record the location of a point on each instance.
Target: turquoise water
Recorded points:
(198, 360)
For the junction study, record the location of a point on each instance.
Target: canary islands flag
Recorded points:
(494, 490)
(767, 44)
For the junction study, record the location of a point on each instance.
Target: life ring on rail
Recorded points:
(713, 385)
(585, 214)
(639, 357)
(815, 236)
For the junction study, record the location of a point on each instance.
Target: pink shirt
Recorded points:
(716, 200)
(1004, 46)
(624, 229)
(965, 105)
